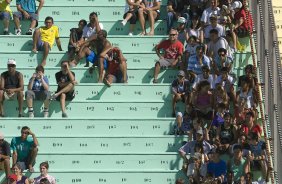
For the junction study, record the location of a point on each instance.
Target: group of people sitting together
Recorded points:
(25, 149)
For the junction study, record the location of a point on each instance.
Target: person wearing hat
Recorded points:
(176, 9)
(181, 28)
(5, 154)
(11, 87)
(213, 9)
(12, 179)
(173, 51)
(213, 25)
(197, 61)
(216, 166)
(180, 88)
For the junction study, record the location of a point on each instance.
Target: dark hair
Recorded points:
(214, 31)
(39, 68)
(222, 50)
(64, 61)
(224, 69)
(45, 181)
(93, 13)
(18, 166)
(250, 67)
(180, 181)
(193, 37)
(253, 136)
(202, 84)
(205, 67)
(25, 128)
(104, 32)
(227, 114)
(44, 164)
(237, 146)
(49, 18)
(250, 113)
(221, 105)
(199, 145)
(83, 21)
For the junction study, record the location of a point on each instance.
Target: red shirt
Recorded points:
(114, 57)
(256, 128)
(171, 50)
(244, 15)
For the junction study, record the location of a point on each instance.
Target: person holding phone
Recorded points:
(25, 149)
(38, 87)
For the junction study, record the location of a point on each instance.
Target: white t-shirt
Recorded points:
(220, 43)
(211, 79)
(220, 28)
(208, 12)
(89, 31)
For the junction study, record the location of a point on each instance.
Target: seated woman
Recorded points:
(220, 96)
(44, 167)
(17, 170)
(248, 94)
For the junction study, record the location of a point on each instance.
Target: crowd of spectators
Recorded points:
(220, 116)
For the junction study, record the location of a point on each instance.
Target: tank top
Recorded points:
(22, 181)
(203, 99)
(11, 81)
(238, 170)
(226, 135)
(248, 97)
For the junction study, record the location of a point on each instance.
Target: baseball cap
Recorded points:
(11, 62)
(181, 73)
(1, 135)
(181, 20)
(13, 177)
(236, 4)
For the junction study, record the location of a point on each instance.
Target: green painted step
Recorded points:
(82, 75)
(113, 27)
(89, 127)
(113, 176)
(111, 161)
(126, 43)
(134, 59)
(114, 144)
(141, 75)
(65, 13)
(92, 3)
(120, 91)
(99, 109)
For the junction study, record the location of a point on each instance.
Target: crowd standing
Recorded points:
(220, 117)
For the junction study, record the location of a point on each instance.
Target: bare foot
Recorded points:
(142, 33)
(43, 63)
(107, 82)
(150, 34)
(72, 63)
(34, 50)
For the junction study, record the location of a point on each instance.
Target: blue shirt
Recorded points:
(37, 84)
(27, 5)
(22, 147)
(195, 66)
(217, 169)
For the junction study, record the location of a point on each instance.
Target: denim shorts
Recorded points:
(33, 16)
(5, 15)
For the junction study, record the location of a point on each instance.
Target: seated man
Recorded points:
(25, 149)
(11, 87)
(43, 38)
(5, 14)
(66, 82)
(197, 61)
(27, 9)
(99, 43)
(38, 87)
(117, 67)
(173, 50)
(5, 154)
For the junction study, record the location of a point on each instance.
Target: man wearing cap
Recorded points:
(11, 87)
(189, 146)
(180, 88)
(197, 61)
(176, 9)
(25, 149)
(216, 166)
(213, 9)
(173, 50)
(5, 154)
(213, 25)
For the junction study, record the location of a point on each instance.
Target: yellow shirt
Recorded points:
(49, 35)
(4, 6)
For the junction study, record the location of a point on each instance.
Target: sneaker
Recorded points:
(29, 32)
(18, 32)
(130, 34)
(46, 114)
(6, 33)
(53, 97)
(86, 64)
(20, 116)
(64, 115)
(155, 81)
(123, 22)
(30, 114)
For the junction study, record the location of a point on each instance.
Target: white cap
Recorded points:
(236, 4)
(11, 62)
(181, 20)
(1, 135)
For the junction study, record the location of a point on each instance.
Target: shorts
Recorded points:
(133, 19)
(199, 114)
(5, 15)
(37, 95)
(24, 165)
(14, 96)
(40, 44)
(165, 62)
(92, 58)
(33, 16)
(69, 96)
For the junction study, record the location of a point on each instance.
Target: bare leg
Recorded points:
(46, 49)
(20, 101)
(63, 102)
(32, 24)
(82, 53)
(46, 103)
(131, 28)
(101, 69)
(152, 15)
(7, 167)
(142, 20)
(32, 157)
(6, 23)
(157, 70)
(17, 22)
(123, 69)
(128, 16)
(66, 89)
(35, 40)
(29, 102)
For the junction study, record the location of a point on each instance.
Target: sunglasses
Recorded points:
(172, 34)
(11, 65)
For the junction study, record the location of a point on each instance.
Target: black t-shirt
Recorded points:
(5, 149)
(62, 78)
(177, 5)
(11, 81)
(75, 34)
